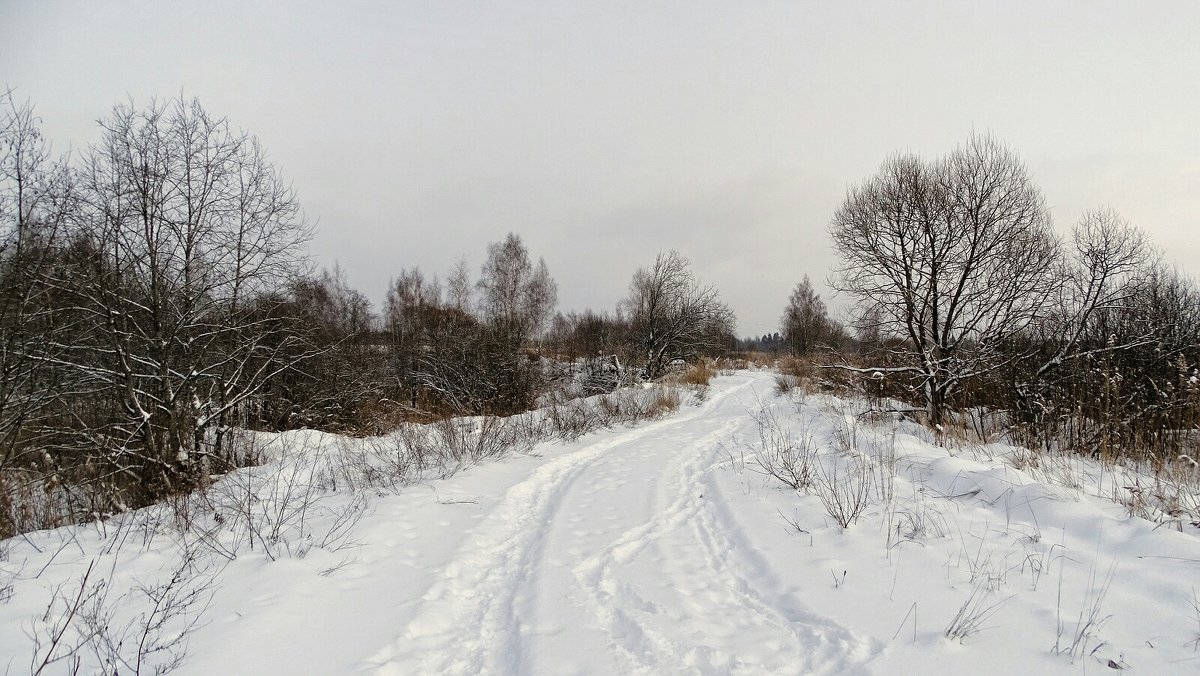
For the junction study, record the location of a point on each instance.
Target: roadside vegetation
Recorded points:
(173, 369)
(156, 300)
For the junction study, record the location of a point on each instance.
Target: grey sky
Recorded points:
(604, 132)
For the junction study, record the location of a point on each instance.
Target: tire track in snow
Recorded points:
(651, 636)
(662, 585)
(829, 647)
(466, 624)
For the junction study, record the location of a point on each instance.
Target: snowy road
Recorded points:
(619, 557)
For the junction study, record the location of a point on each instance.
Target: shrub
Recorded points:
(845, 492)
(782, 455)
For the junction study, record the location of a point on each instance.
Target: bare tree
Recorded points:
(409, 292)
(518, 296)
(867, 327)
(1123, 380)
(185, 233)
(332, 387)
(1098, 275)
(448, 361)
(958, 255)
(413, 304)
(459, 287)
(36, 197)
(805, 323)
(592, 334)
(597, 343)
(672, 316)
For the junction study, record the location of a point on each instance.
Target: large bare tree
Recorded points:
(958, 256)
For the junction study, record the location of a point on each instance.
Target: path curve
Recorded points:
(620, 557)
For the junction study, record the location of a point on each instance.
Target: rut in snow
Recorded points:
(619, 552)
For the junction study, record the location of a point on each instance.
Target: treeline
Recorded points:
(156, 298)
(491, 346)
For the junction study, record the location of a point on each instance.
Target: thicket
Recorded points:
(156, 298)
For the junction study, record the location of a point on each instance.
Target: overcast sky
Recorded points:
(602, 133)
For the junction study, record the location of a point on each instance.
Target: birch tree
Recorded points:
(518, 296)
(805, 323)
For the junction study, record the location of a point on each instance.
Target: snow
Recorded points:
(659, 548)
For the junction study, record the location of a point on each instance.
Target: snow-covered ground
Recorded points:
(659, 548)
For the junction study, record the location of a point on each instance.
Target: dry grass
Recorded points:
(808, 375)
(664, 401)
(698, 374)
(975, 610)
(801, 368)
(746, 361)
